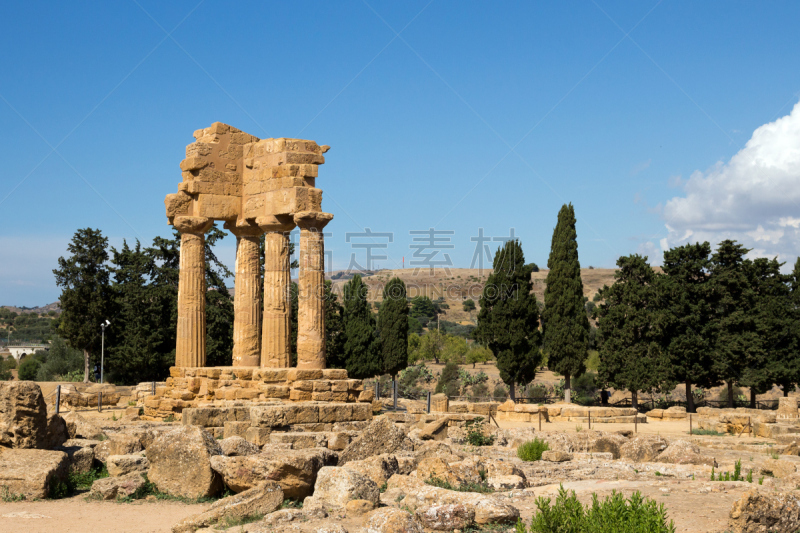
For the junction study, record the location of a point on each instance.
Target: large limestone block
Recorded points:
(756, 512)
(81, 458)
(237, 446)
(787, 409)
(684, 452)
(440, 403)
(119, 444)
(180, 462)
(448, 517)
(295, 470)
(335, 486)
(260, 500)
(32, 473)
(778, 468)
(23, 415)
(391, 520)
(643, 448)
(381, 436)
(214, 416)
(110, 488)
(378, 468)
(438, 469)
(80, 427)
(120, 465)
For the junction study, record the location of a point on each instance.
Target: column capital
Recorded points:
(273, 224)
(243, 231)
(195, 225)
(312, 220)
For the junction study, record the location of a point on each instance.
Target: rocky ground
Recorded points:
(393, 477)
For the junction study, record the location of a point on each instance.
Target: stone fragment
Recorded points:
(237, 446)
(260, 500)
(119, 444)
(80, 459)
(358, 508)
(120, 465)
(110, 488)
(23, 415)
(556, 456)
(757, 512)
(436, 430)
(492, 511)
(778, 468)
(295, 470)
(391, 520)
(381, 436)
(332, 528)
(235, 429)
(436, 468)
(335, 486)
(378, 468)
(180, 463)
(32, 473)
(447, 517)
(643, 448)
(684, 452)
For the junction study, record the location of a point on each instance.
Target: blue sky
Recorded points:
(444, 114)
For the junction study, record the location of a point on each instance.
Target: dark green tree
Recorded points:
(631, 327)
(736, 344)
(449, 383)
(468, 305)
(85, 293)
(564, 321)
(219, 305)
(508, 322)
(393, 327)
(334, 329)
(423, 309)
(776, 323)
(688, 299)
(360, 347)
(136, 342)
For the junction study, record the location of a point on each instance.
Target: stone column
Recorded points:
(311, 302)
(247, 297)
(276, 328)
(190, 348)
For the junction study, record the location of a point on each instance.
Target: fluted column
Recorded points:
(190, 348)
(311, 301)
(276, 325)
(246, 298)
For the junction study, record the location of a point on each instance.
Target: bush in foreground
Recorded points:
(636, 514)
(532, 450)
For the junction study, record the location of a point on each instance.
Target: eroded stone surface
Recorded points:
(180, 463)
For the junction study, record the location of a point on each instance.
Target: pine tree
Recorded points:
(631, 323)
(85, 293)
(360, 347)
(564, 321)
(393, 327)
(334, 329)
(687, 295)
(734, 323)
(508, 322)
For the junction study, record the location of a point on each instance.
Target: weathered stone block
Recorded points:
(303, 385)
(303, 374)
(258, 436)
(235, 429)
(322, 385)
(299, 396)
(322, 396)
(334, 373)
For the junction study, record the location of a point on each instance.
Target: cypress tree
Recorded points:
(734, 323)
(393, 327)
(334, 329)
(86, 298)
(631, 324)
(508, 322)
(360, 348)
(564, 321)
(687, 296)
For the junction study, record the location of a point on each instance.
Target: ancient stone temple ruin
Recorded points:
(255, 186)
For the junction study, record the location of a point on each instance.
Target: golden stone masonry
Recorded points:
(256, 186)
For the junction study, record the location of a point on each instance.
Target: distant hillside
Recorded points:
(460, 284)
(55, 306)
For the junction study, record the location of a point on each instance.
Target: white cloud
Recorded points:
(641, 167)
(753, 198)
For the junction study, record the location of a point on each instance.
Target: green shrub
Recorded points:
(475, 435)
(500, 392)
(532, 450)
(712, 432)
(28, 369)
(469, 486)
(636, 514)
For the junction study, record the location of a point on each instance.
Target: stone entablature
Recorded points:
(257, 187)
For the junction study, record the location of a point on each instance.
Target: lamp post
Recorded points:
(103, 347)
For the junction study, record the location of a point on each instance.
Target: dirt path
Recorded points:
(76, 515)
